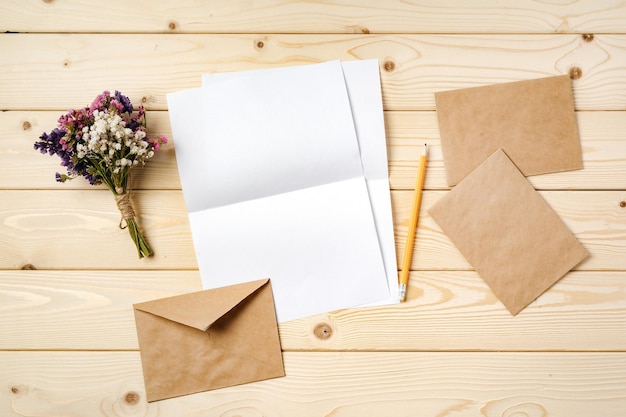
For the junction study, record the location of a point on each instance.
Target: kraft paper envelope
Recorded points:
(507, 232)
(533, 121)
(208, 339)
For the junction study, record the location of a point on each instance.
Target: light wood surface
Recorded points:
(330, 384)
(413, 66)
(69, 345)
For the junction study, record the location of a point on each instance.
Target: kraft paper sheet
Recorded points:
(532, 120)
(507, 232)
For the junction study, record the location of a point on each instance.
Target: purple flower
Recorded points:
(51, 143)
(127, 106)
(137, 121)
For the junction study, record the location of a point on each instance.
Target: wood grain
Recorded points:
(45, 227)
(595, 217)
(345, 16)
(81, 229)
(90, 310)
(331, 384)
(455, 310)
(413, 67)
(602, 135)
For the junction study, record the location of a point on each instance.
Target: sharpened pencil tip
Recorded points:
(425, 149)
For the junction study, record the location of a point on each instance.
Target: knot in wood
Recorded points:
(622, 204)
(260, 44)
(29, 267)
(172, 25)
(131, 398)
(575, 73)
(323, 331)
(389, 66)
(26, 125)
(587, 37)
(19, 390)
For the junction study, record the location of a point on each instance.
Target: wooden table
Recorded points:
(69, 275)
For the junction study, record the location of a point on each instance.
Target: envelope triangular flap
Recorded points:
(203, 308)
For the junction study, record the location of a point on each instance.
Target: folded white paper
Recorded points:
(274, 182)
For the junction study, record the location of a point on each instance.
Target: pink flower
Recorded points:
(117, 105)
(99, 101)
(156, 144)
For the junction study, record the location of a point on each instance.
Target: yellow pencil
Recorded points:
(410, 239)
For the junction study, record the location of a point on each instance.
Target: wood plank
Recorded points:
(601, 135)
(595, 217)
(80, 229)
(22, 167)
(334, 384)
(88, 310)
(92, 310)
(45, 228)
(413, 67)
(352, 16)
(455, 310)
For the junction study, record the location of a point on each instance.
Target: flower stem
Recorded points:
(143, 248)
(122, 198)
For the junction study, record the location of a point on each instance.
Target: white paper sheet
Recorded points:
(363, 83)
(274, 185)
(364, 90)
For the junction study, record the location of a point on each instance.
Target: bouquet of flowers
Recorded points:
(102, 143)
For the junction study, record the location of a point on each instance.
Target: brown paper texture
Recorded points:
(507, 232)
(533, 121)
(208, 339)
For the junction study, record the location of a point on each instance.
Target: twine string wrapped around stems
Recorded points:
(122, 198)
(125, 207)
